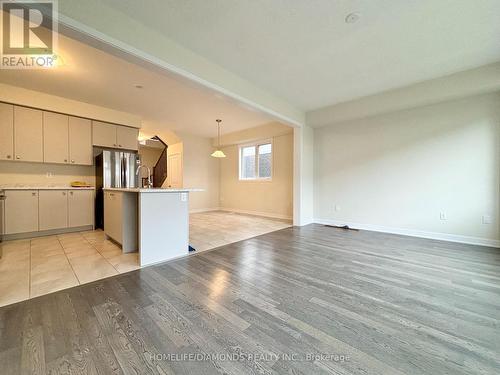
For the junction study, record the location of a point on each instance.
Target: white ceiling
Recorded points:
(167, 101)
(304, 52)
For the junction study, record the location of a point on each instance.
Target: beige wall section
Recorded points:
(151, 128)
(44, 174)
(272, 198)
(269, 130)
(398, 172)
(200, 170)
(149, 157)
(30, 98)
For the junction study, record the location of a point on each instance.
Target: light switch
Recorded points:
(442, 215)
(184, 197)
(487, 219)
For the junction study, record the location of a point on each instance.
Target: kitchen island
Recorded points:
(153, 221)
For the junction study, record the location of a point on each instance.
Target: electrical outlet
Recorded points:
(184, 197)
(442, 215)
(49, 174)
(336, 207)
(487, 219)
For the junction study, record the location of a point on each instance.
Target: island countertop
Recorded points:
(153, 190)
(44, 187)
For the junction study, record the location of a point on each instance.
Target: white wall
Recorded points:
(303, 178)
(200, 170)
(271, 198)
(398, 172)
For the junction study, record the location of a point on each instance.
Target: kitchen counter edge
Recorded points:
(45, 188)
(153, 190)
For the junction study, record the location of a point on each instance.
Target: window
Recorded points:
(256, 161)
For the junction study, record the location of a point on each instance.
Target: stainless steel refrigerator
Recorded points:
(113, 169)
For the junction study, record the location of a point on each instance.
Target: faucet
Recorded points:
(150, 183)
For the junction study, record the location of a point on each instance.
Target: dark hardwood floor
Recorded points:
(311, 300)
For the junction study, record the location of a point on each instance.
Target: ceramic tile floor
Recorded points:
(208, 230)
(37, 266)
(42, 265)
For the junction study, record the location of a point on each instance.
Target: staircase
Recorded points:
(160, 168)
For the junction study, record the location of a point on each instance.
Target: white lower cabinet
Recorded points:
(28, 211)
(53, 209)
(21, 211)
(120, 219)
(80, 208)
(113, 215)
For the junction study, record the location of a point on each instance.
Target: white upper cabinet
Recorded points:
(127, 137)
(33, 135)
(103, 134)
(114, 136)
(6, 131)
(55, 138)
(28, 134)
(80, 141)
(66, 139)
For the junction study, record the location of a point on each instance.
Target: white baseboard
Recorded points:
(256, 213)
(196, 210)
(415, 233)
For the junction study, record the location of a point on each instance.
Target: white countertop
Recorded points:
(43, 187)
(153, 190)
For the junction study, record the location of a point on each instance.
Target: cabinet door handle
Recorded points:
(34, 194)
(65, 160)
(8, 156)
(114, 144)
(119, 145)
(64, 193)
(73, 161)
(70, 193)
(18, 157)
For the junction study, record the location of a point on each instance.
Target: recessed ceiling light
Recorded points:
(352, 17)
(137, 86)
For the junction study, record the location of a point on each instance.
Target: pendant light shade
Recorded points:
(218, 153)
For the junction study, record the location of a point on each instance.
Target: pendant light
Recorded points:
(218, 153)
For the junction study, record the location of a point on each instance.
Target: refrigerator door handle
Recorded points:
(124, 171)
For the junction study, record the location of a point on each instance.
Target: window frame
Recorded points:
(257, 178)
